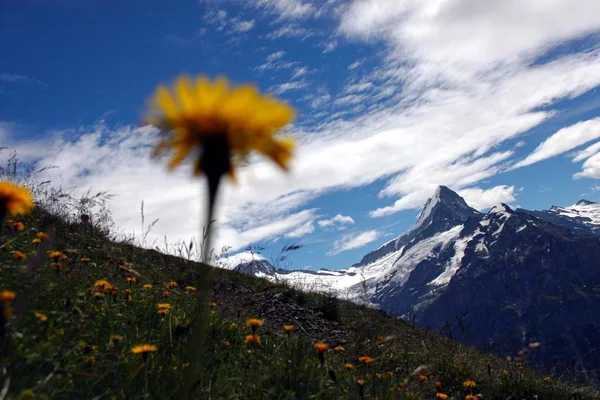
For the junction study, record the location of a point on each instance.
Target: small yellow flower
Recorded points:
(19, 255)
(18, 226)
(349, 366)
(471, 397)
(102, 285)
(116, 338)
(36, 241)
(57, 255)
(221, 121)
(254, 323)
(190, 288)
(365, 359)
(422, 378)
(469, 384)
(131, 279)
(14, 200)
(147, 286)
(212, 304)
(438, 384)
(360, 382)
(339, 349)
(85, 259)
(288, 328)
(233, 325)
(163, 308)
(171, 284)
(40, 316)
(6, 296)
(165, 293)
(252, 339)
(144, 349)
(321, 347)
(441, 396)
(547, 379)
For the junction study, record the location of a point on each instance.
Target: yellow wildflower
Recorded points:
(254, 323)
(40, 316)
(547, 379)
(147, 286)
(321, 347)
(171, 284)
(471, 397)
(102, 285)
(422, 378)
(36, 241)
(42, 235)
(190, 288)
(441, 396)
(85, 259)
(221, 121)
(19, 255)
(288, 328)
(349, 366)
(18, 226)
(14, 200)
(6, 296)
(144, 348)
(365, 359)
(469, 384)
(57, 255)
(252, 339)
(339, 349)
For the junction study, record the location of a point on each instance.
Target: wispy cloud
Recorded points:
(288, 86)
(301, 231)
(287, 9)
(338, 222)
(290, 31)
(354, 241)
(564, 140)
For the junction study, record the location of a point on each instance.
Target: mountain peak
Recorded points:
(584, 202)
(446, 198)
(500, 208)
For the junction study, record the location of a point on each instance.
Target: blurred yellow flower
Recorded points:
(144, 348)
(147, 286)
(40, 316)
(365, 359)
(57, 255)
(171, 284)
(339, 349)
(288, 328)
(254, 323)
(220, 121)
(6, 296)
(190, 288)
(85, 259)
(441, 396)
(18, 226)
(469, 384)
(36, 241)
(349, 366)
(102, 285)
(14, 200)
(321, 347)
(19, 255)
(252, 339)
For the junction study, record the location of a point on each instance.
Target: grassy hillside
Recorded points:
(83, 304)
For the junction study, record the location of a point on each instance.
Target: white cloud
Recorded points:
(290, 31)
(275, 56)
(481, 199)
(244, 26)
(13, 78)
(586, 153)
(591, 168)
(302, 230)
(287, 86)
(299, 71)
(287, 9)
(356, 241)
(355, 65)
(562, 141)
(329, 46)
(358, 87)
(338, 221)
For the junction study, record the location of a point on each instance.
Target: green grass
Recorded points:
(74, 354)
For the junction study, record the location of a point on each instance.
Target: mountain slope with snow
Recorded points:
(509, 276)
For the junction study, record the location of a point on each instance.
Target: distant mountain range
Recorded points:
(505, 280)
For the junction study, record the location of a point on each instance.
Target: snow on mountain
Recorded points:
(244, 257)
(584, 211)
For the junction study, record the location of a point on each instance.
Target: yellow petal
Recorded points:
(185, 94)
(165, 103)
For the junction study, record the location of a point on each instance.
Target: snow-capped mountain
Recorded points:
(510, 277)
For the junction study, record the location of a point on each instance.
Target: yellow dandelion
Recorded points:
(288, 328)
(171, 284)
(131, 280)
(252, 339)
(36, 241)
(19, 255)
(349, 366)
(190, 288)
(469, 384)
(254, 323)
(441, 396)
(165, 293)
(365, 359)
(102, 285)
(40, 316)
(233, 325)
(422, 378)
(212, 304)
(85, 259)
(438, 384)
(220, 120)
(339, 349)
(57, 255)
(360, 382)
(163, 308)
(6, 296)
(471, 397)
(14, 200)
(18, 226)
(321, 347)
(42, 235)
(144, 349)
(116, 338)
(547, 379)
(147, 286)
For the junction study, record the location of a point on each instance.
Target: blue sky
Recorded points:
(394, 98)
